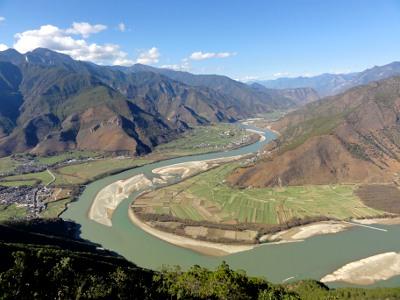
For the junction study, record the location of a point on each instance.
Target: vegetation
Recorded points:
(55, 208)
(88, 171)
(68, 155)
(42, 260)
(203, 139)
(16, 183)
(43, 177)
(206, 197)
(12, 211)
(7, 164)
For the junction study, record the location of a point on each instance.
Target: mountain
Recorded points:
(250, 100)
(52, 106)
(353, 137)
(332, 84)
(299, 96)
(51, 102)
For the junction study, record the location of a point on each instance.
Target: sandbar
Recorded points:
(368, 270)
(108, 198)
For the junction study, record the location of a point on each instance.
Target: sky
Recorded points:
(246, 40)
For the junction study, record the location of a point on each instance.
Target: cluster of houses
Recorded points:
(30, 197)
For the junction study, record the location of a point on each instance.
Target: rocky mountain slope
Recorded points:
(50, 102)
(251, 98)
(351, 137)
(332, 84)
(299, 96)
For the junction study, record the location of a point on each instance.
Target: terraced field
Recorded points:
(207, 197)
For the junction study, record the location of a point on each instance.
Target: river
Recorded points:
(310, 259)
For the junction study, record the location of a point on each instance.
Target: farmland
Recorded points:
(84, 172)
(74, 168)
(206, 197)
(11, 211)
(55, 208)
(203, 139)
(27, 179)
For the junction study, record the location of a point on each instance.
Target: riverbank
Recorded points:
(107, 199)
(300, 233)
(203, 247)
(382, 221)
(368, 270)
(190, 168)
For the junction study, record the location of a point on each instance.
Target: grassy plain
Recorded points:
(81, 173)
(207, 197)
(11, 211)
(55, 208)
(27, 179)
(53, 159)
(203, 139)
(7, 164)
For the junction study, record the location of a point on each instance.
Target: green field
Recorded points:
(7, 164)
(11, 211)
(27, 179)
(207, 197)
(51, 160)
(55, 208)
(81, 173)
(203, 139)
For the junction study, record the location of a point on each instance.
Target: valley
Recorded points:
(73, 170)
(168, 167)
(219, 150)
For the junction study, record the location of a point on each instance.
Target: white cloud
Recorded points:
(123, 62)
(248, 78)
(281, 74)
(199, 55)
(2, 19)
(121, 27)
(54, 38)
(149, 57)
(3, 47)
(85, 29)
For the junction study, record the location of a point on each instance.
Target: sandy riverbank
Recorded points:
(306, 231)
(382, 221)
(203, 247)
(273, 130)
(107, 200)
(190, 168)
(260, 133)
(368, 270)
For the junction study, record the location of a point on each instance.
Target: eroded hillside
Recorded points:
(353, 137)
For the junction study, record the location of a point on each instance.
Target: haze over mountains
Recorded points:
(50, 103)
(349, 138)
(332, 84)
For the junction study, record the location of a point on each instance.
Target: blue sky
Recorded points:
(241, 39)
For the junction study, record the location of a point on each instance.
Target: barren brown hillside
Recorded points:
(352, 137)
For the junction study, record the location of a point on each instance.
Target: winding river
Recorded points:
(312, 258)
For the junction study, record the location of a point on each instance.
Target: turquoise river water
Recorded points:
(312, 258)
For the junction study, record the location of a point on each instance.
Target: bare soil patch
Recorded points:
(380, 196)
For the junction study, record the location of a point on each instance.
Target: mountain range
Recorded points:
(332, 84)
(50, 102)
(353, 137)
